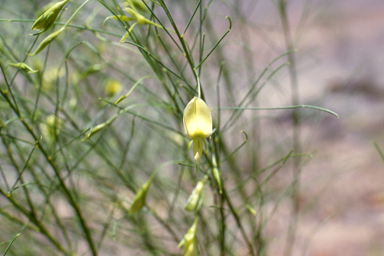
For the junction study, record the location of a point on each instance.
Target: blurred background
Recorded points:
(339, 65)
(343, 71)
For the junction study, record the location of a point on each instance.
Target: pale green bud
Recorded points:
(250, 209)
(22, 66)
(46, 20)
(46, 42)
(216, 173)
(139, 200)
(98, 128)
(136, 4)
(135, 16)
(195, 196)
(197, 148)
(189, 241)
(121, 17)
(190, 248)
(140, 18)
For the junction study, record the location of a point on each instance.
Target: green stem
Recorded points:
(9, 246)
(279, 108)
(32, 218)
(238, 222)
(49, 159)
(74, 14)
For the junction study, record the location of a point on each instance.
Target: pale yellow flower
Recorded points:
(197, 122)
(197, 119)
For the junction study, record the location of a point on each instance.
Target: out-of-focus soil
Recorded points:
(343, 186)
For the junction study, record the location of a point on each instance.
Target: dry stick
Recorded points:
(296, 127)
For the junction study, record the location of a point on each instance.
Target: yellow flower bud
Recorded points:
(140, 18)
(136, 4)
(189, 241)
(190, 248)
(139, 200)
(195, 196)
(250, 209)
(46, 20)
(135, 16)
(112, 87)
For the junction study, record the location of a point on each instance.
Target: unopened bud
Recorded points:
(195, 196)
(139, 200)
(98, 128)
(136, 4)
(24, 67)
(46, 20)
(189, 241)
(46, 42)
(216, 173)
(135, 16)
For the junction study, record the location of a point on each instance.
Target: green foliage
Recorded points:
(76, 152)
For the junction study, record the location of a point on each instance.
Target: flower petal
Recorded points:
(197, 119)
